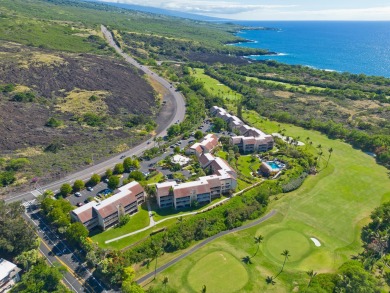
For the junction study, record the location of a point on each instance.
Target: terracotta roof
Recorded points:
(126, 196)
(249, 140)
(85, 212)
(189, 188)
(163, 188)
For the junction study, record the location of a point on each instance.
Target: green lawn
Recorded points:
(331, 206)
(128, 241)
(288, 86)
(245, 165)
(137, 221)
(214, 87)
(159, 214)
(229, 274)
(156, 178)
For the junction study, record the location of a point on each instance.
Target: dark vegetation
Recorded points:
(40, 104)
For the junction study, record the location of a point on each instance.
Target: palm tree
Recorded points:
(311, 275)
(157, 250)
(286, 255)
(165, 281)
(330, 153)
(258, 241)
(270, 280)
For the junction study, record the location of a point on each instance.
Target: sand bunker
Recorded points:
(316, 242)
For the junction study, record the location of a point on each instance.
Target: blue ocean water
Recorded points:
(356, 47)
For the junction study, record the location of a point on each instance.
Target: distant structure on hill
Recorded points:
(107, 213)
(250, 139)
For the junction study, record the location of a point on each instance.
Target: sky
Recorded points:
(276, 9)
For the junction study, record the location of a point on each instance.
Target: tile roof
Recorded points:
(189, 188)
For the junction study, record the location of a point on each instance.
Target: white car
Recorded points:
(78, 194)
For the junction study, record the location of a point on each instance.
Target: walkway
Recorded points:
(153, 223)
(203, 243)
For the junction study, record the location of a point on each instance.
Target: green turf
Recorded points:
(287, 85)
(291, 240)
(219, 271)
(159, 214)
(214, 87)
(331, 206)
(246, 165)
(137, 221)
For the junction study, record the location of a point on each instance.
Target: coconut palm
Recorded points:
(286, 255)
(270, 280)
(165, 281)
(311, 275)
(258, 241)
(330, 153)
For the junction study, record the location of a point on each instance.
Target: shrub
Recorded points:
(53, 122)
(24, 97)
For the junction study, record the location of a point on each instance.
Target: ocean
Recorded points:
(351, 46)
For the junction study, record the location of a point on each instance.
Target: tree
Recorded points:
(156, 250)
(174, 130)
(108, 173)
(119, 168)
(75, 233)
(198, 134)
(330, 154)
(42, 278)
(28, 258)
(65, 189)
(258, 241)
(95, 179)
(204, 289)
(311, 275)
(78, 185)
(113, 182)
(270, 280)
(219, 124)
(286, 255)
(137, 176)
(16, 236)
(127, 164)
(165, 281)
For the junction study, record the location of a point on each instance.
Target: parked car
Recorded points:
(79, 204)
(89, 188)
(78, 194)
(106, 180)
(122, 157)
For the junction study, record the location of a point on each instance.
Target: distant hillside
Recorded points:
(161, 11)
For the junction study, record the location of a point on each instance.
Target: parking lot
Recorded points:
(145, 167)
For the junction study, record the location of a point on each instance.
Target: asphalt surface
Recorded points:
(203, 243)
(78, 278)
(176, 102)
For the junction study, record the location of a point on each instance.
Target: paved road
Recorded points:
(78, 278)
(203, 243)
(175, 100)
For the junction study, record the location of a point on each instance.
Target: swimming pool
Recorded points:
(275, 166)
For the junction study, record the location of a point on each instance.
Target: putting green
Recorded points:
(219, 271)
(296, 243)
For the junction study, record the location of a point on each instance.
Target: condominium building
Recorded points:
(250, 139)
(203, 190)
(107, 213)
(209, 142)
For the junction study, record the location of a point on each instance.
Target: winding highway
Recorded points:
(175, 101)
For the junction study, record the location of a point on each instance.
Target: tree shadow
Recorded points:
(247, 260)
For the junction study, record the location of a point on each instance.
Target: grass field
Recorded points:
(287, 85)
(331, 206)
(214, 87)
(137, 221)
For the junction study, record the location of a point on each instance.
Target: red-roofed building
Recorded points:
(106, 213)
